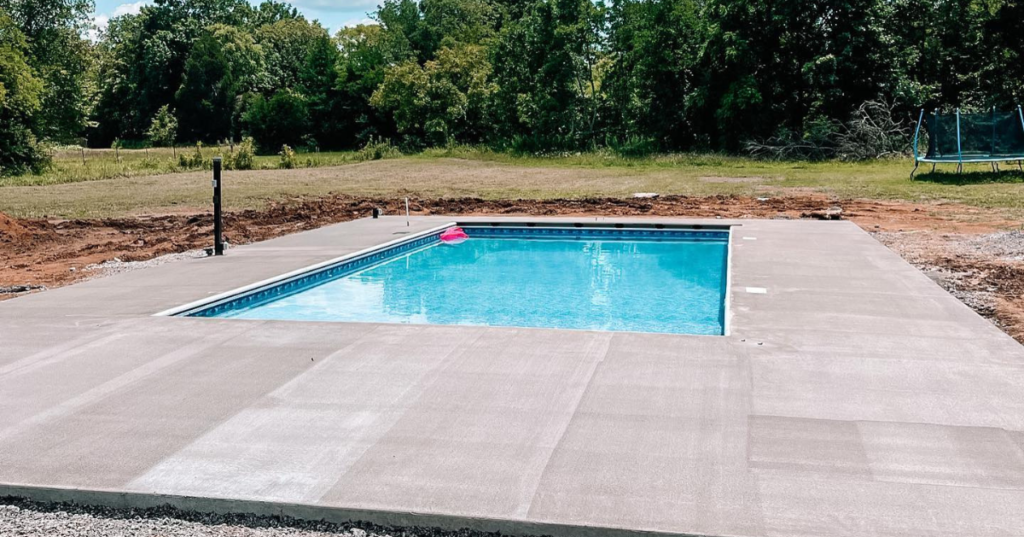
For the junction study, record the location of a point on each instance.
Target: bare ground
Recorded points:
(974, 253)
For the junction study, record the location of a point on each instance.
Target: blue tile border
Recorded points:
(300, 283)
(585, 233)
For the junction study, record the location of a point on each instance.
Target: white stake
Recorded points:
(406, 212)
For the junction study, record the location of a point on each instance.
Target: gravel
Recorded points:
(116, 266)
(1006, 245)
(24, 518)
(924, 246)
(18, 289)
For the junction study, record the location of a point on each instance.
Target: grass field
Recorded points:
(77, 165)
(140, 182)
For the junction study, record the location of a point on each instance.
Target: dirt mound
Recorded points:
(10, 229)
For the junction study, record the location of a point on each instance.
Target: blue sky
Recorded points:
(332, 14)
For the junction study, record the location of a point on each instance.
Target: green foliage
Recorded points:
(224, 63)
(61, 58)
(163, 131)
(21, 96)
(546, 70)
(285, 45)
(279, 120)
(531, 76)
(443, 101)
(767, 67)
(318, 83)
(288, 158)
(196, 160)
(633, 146)
(656, 45)
(366, 52)
(142, 61)
(243, 157)
(378, 149)
(270, 12)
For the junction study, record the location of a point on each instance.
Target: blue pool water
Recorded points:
(667, 286)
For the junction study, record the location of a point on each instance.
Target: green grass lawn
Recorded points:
(138, 183)
(76, 165)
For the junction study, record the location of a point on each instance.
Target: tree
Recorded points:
(20, 100)
(285, 45)
(546, 68)
(272, 11)
(225, 63)
(653, 48)
(60, 58)
(277, 121)
(532, 75)
(142, 60)
(318, 83)
(366, 52)
(443, 101)
(447, 23)
(784, 66)
(1002, 76)
(164, 129)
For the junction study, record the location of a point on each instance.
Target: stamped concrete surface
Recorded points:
(852, 397)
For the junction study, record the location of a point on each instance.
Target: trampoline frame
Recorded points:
(960, 159)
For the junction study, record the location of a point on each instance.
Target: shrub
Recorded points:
(164, 128)
(20, 152)
(244, 157)
(282, 119)
(195, 160)
(378, 149)
(288, 158)
(633, 146)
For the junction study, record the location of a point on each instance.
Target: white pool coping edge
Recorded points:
(298, 272)
(727, 300)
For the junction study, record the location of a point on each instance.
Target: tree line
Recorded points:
(522, 75)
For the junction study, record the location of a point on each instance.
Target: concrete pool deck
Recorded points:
(853, 397)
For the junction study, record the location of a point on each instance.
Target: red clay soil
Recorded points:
(36, 253)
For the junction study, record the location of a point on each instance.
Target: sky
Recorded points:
(332, 14)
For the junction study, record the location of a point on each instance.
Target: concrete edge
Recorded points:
(315, 513)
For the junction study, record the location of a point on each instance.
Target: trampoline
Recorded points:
(957, 138)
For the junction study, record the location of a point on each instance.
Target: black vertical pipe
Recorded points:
(218, 226)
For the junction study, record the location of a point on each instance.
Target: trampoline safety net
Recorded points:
(986, 135)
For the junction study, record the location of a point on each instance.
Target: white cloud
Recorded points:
(356, 22)
(337, 5)
(99, 23)
(101, 20)
(129, 9)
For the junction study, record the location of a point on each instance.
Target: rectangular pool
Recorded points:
(595, 278)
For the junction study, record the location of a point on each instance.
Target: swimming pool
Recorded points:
(636, 279)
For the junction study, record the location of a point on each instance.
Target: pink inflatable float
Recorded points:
(454, 235)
